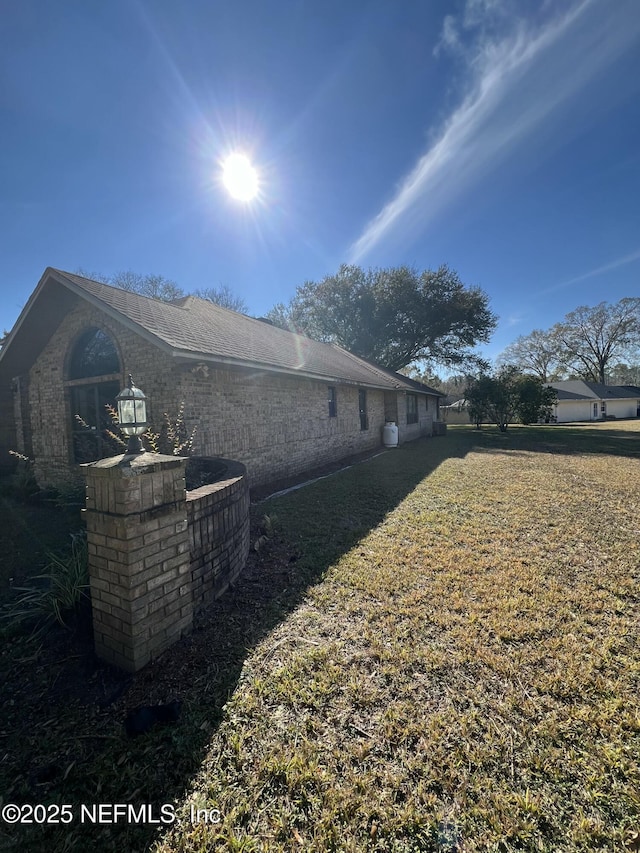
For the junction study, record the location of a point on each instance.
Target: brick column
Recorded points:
(139, 562)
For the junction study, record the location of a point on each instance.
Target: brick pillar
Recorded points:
(139, 562)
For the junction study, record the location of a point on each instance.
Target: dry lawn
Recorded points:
(464, 675)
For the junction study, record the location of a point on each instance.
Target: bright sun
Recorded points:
(239, 177)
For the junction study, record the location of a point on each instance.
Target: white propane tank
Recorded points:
(390, 434)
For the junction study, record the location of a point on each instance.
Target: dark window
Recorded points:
(362, 404)
(412, 409)
(333, 405)
(91, 420)
(94, 355)
(92, 387)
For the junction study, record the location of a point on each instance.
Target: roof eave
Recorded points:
(190, 356)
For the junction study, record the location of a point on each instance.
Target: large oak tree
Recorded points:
(392, 316)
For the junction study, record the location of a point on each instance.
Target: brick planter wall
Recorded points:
(218, 517)
(158, 554)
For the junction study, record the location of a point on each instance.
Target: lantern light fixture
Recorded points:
(132, 415)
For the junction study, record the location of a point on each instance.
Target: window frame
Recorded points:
(87, 395)
(412, 416)
(362, 408)
(95, 434)
(333, 401)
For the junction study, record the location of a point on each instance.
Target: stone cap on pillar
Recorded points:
(131, 464)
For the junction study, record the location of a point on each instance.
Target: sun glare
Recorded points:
(239, 177)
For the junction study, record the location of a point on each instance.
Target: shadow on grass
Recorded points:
(62, 739)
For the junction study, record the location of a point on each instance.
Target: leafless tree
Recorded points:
(223, 296)
(594, 339)
(537, 353)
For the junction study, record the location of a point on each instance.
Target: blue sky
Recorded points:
(501, 138)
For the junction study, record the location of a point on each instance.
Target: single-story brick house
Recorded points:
(592, 401)
(279, 402)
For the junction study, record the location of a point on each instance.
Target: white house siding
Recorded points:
(576, 410)
(622, 408)
(583, 410)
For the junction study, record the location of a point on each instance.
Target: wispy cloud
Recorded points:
(612, 265)
(513, 320)
(520, 71)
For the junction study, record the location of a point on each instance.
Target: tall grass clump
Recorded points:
(54, 596)
(23, 485)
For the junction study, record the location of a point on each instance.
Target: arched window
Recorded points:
(94, 381)
(94, 354)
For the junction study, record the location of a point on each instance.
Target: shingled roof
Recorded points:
(580, 389)
(196, 329)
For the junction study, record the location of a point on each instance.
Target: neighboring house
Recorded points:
(591, 401)
(279, 402)
(456, 412)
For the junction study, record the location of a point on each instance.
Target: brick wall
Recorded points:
(426, 417)
(8, 433)
(218, 516)
(50, 397)
(277, 425)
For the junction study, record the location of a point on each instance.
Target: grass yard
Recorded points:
(438, 652)
(465, 675)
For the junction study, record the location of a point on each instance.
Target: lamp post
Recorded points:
(132, 415)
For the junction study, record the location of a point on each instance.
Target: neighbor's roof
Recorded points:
(579, 389)
(195, 329)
